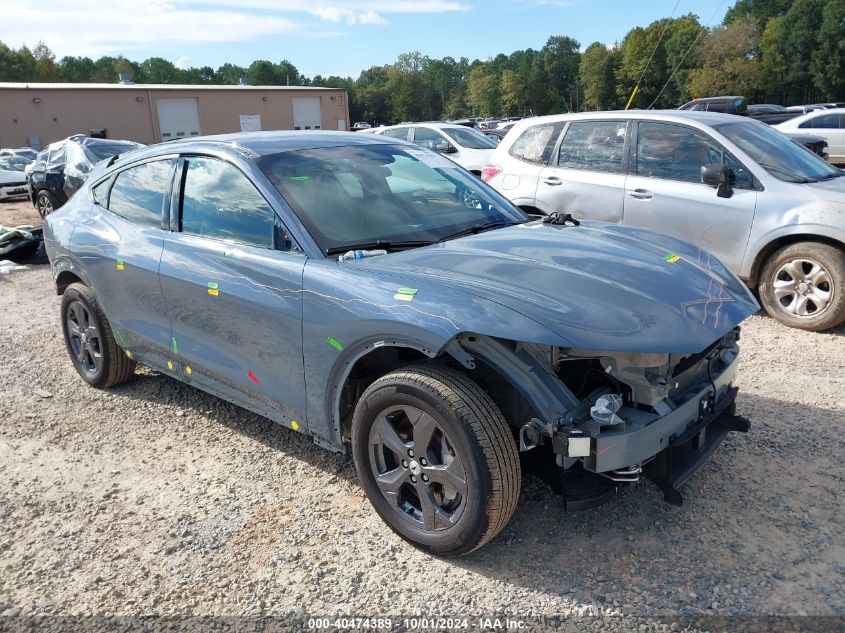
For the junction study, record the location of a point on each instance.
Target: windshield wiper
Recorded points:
(385, 244)
(477, 228)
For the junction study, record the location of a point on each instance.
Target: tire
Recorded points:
(803, 286)
(46, 203)
(468, 471)
(96, 357)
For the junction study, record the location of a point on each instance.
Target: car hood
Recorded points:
(833, 190)
(599, 287)
(8, 176)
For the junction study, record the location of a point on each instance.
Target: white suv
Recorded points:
(770, 210)
(465, 146)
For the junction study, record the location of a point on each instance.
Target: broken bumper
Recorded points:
(638, 443)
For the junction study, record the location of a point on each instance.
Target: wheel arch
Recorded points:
(776, 244)
(507, 370)
(65, 278)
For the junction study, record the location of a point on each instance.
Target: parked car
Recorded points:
(12, 184)
(764, 108)
(829, 124)
(804, 109)
(25, 152)
(771, 211)
(465, 146)
(361, 125)
(731, 105)
(495, 135)
(242, 265)
(14, 163)
(816, 144)
(58, 172)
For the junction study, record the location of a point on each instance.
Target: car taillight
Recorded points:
(488, 172)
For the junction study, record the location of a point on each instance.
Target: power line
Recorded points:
(650, 57)
(694, 42)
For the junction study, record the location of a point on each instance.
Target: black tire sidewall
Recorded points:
(99, 378)
(827, 257)
(466, 533)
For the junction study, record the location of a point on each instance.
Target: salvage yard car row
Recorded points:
(583, 308)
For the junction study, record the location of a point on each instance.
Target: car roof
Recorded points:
(257, 144)
(807, 116)
(434, 124)
(677, 116)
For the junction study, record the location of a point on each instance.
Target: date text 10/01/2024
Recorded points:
(417, 623)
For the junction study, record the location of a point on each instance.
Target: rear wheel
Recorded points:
(803, 285)
(436, 458)
(89, 340)
(46, 203)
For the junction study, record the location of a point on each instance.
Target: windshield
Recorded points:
(469, 138)
(353, 195)
(777, 153)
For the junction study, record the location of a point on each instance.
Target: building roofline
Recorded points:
(81, 86)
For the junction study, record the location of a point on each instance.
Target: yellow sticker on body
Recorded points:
(169, 365)
(294, 425)
(188, 370)
(402, 297)
(213, 292)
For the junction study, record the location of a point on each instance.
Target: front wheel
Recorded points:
(803, 285)
(436, 458)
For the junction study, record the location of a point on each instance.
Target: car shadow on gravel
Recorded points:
(151, 386)
(745, 512)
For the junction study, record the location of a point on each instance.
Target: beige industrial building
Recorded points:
(36, 115)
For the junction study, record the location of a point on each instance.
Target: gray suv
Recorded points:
(770, 210)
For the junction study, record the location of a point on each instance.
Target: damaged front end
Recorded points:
(601, 419)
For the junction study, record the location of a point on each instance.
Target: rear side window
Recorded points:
(823, 122)
(427, 138)
(220, 202)
(594, 146)
(400, 133)
(717, 106)
(536, 144)
(138, 193)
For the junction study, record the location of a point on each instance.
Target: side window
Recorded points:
(138, 193)
(400, 133)
(674, 152)
(717, 106)
(824, 122)
(536, 144)
(427, 138)
(219, 201)
(594, 146)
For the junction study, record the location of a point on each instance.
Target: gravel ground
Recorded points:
(155, 498)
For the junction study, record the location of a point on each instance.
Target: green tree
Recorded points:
(828, 62)
(512, 87)
(596, 73)
(76, 69)
(730, 63)
(760, 9)
(482, 92)
(229, 74)
(157, 70)
(560, 59)
(787, 48)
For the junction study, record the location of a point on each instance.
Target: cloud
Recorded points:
(183, 62)
(93, 27)
(350, 16)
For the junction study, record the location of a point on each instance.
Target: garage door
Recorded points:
(307, 114)
(178, 117)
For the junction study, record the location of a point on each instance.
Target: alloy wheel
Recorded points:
(44, 206)
(417, 468)
(803, 287)
(84, 337)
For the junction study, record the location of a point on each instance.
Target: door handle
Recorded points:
(641, 194)
(553, 181)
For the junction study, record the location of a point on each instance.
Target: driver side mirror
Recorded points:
(445, 148)
(720, 177)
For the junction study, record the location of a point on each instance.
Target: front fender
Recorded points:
(348, 311)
